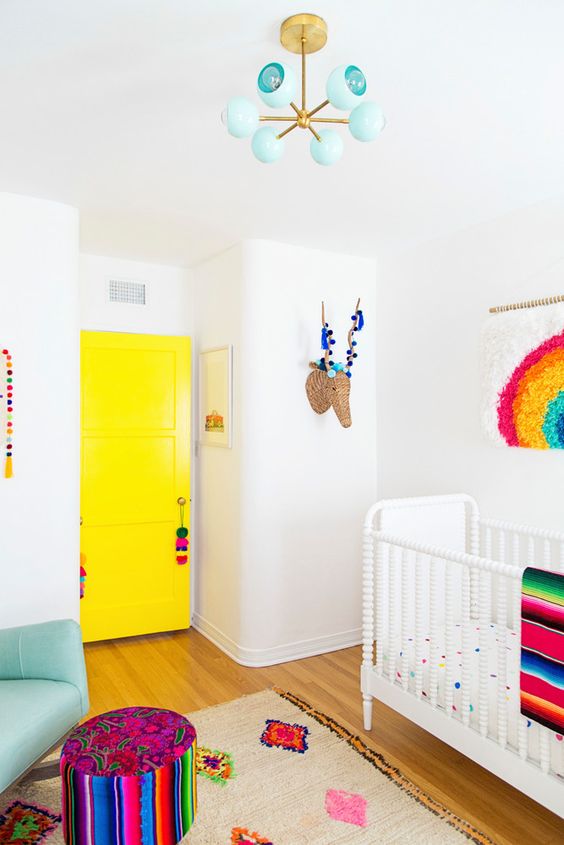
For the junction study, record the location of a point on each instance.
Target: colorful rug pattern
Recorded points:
(334, 790)
(26, 824)
(542, 648)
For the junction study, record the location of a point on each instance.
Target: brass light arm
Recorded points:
(289, 129)
(329, 119)
(304, 39)
(296, 109)
(318, 108)
(312, 130)
(265, 117)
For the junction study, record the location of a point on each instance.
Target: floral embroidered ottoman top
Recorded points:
(129, 741)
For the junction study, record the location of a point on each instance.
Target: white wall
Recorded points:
(432, 302)
(168, 309)
(281, 576)
(39, 511)
(219, 305)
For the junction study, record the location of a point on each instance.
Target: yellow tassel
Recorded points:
(8, 471)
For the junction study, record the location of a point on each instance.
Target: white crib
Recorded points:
(441, 633)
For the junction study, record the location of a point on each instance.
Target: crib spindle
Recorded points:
(487, 541)
(501, 661)
(367, 600)
(522, 737)
(501, 544)
(367, 620)
(404, 619)
(484, 595)
(522, 732)
(544, 749)
(475, 574)
(516, 608)
(547, 554)
(381, 551)
(433, 650)
(392, 644)
(515, 548)
(419, 631)
(530, 551)
(449, 649)
(466, 674)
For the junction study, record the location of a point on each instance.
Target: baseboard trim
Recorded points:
(255, 658)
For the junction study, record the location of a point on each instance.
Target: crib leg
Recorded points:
(367, 711)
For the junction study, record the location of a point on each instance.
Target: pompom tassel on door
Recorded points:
(182, 541)
(8, 395)
(82, 575)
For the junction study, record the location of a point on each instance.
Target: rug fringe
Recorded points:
(391, 772)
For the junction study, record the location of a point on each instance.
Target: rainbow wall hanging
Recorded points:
(523, 378)
(7, 398)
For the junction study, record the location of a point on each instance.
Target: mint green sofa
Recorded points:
(43, 692)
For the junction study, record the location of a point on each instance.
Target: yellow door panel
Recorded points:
(117, 404)
(146, 469)
(135, 465)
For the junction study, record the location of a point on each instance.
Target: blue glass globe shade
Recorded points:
(276, 85)
(345, 86)
(329, 149)
(266, 146)
(271, 77)
(355, 80)
(241, 117)
(366, 121)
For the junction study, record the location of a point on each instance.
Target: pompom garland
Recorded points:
(8, 394)
(327, 340)
(333, 388)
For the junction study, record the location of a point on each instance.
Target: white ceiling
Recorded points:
(114, 106)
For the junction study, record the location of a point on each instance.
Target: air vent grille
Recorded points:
(132, 293)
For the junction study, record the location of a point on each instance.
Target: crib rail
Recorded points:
(528, 546)
(445, 625)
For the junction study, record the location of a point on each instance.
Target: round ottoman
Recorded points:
(129, 778)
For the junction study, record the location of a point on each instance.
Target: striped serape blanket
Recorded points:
(542, 648)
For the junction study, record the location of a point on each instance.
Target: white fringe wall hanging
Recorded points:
(523, 374)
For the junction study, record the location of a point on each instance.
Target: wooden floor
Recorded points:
(183, 671)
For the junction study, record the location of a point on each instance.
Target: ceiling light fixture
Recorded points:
(276, 86)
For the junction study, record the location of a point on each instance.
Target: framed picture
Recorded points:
(216, 397)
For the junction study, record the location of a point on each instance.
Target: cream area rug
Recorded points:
(273, 771)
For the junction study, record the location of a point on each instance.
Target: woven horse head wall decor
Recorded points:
(329, 385)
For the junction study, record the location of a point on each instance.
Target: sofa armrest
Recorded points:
(50, 651)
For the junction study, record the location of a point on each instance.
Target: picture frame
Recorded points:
(215, 405)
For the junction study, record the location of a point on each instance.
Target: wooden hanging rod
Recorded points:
(531, 303)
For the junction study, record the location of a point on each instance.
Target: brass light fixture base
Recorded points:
(311, 27)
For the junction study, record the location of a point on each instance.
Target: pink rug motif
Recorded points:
(346, 807)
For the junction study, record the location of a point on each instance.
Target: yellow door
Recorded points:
(135, 465)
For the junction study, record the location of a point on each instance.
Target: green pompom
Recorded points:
(181, 532)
